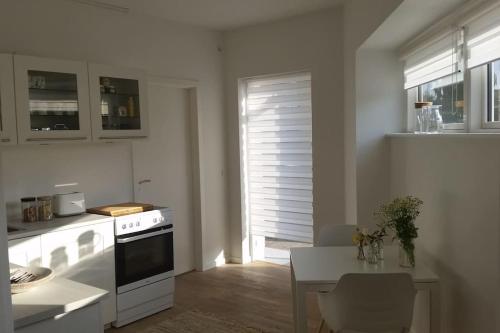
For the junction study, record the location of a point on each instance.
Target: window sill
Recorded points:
(445, 135)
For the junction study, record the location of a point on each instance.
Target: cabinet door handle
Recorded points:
(144, 181)
(5, 140)
(58, 139)
(123, 137)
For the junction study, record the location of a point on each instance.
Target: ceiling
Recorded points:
(408, 20)
(219, 14)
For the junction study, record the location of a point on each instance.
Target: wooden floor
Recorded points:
(257, 295)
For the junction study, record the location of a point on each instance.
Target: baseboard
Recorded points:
(213, 264)
(235, 260)
(238, 260)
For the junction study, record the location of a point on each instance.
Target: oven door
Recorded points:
(143, 258)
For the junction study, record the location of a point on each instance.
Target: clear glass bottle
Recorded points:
(45, 210)
(372, 256)
(380, 249)
(29, 209)
(435, 122)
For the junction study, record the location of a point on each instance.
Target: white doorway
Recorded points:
(276, 164)
(163, 167)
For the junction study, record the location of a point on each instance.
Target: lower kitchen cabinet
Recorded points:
(86, 255)
(26, 251)
(84, 320)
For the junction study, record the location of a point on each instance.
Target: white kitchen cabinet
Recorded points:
(118, 101)
(86, 255)
(52, 100)
(84, 320)
(8, 134)
(25, 251)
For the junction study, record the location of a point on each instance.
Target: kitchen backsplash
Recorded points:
(102, 171)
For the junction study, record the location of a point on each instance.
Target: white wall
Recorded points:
(312, 43)
(66, 30)
(103, 172)
(379, 110)
(361, 19)
(6, 324)
(458, 180)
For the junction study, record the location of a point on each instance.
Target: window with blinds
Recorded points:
(483, 39)
(278, 156)
(435, 73)
(458, 69)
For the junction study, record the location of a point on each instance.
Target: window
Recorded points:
(493, 92)
(459, 70)
(435, 74)
(450, 95)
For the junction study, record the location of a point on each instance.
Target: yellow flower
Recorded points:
(357, 238)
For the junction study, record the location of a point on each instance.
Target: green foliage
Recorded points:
(399, 216)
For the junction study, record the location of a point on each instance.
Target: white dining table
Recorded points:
(316, 269)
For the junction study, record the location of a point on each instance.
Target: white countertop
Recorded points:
(61, 223)
(51, 299)
(328, 264)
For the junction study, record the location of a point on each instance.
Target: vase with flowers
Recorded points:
(399, 216)
(376, 245)
(360, 240)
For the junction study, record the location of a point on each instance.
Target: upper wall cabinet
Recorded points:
(52, 100)
(118, 102)
(7, 101)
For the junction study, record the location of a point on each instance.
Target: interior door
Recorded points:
(163, 167)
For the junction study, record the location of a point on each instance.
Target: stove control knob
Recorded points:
(124, 226)
(155, 220)
(131, 225)
(137, 224)
(162, 219)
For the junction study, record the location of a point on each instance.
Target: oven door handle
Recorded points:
(151, 234)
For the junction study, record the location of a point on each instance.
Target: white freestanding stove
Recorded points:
(144, 256)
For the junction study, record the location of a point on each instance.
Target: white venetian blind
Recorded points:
(279, 157)
(483, 42)
(440, 59)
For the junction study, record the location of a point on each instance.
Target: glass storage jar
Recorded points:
(45, 211)
(421, 117)
(435, 120)
(29, 209)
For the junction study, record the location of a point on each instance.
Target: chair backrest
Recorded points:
(336, 235)
(371, 303)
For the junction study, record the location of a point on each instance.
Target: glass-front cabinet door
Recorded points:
(52, 99)
(8, 133)
(118, 103)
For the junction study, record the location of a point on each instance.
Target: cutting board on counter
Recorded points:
(121, 209)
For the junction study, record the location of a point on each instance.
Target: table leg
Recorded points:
(435, 308)
(299, 305)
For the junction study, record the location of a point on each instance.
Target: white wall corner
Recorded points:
(6, 324)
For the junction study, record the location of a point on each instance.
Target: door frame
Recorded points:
(252, 247)
(197, 160)
(247, 243)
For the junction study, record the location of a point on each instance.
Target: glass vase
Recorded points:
(361, 253)
(380, 250)
(372, 256)
(405, 258)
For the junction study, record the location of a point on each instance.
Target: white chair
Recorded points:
(370, 303)
(336, 235)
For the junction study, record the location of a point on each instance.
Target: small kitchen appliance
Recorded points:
(144, 261)
(68, 204)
